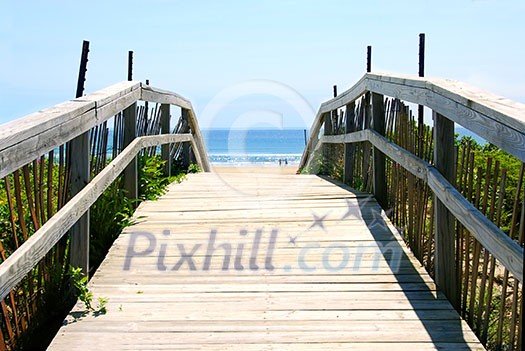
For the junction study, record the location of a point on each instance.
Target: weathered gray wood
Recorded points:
(444, 232)
(26, 139)
(259, 309)
(60, 124)
(508, 252)
(131, 171)
(26, 127)
(502, 135)
(186, 157)
(16, 266)
(160, 96)
(328, 130)
(378, 125)
(494, 118)
(165, 116)
(199, 147)
(348, 172)
(80, 177)
(405, 159)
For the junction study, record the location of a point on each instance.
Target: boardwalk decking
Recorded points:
(238, 261)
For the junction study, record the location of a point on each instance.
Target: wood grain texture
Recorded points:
(444, 232)
(496, 119)
(80, 176)
(25, 139)
(165, 129)
(16, 266)
(367, 304)
(131, 176)
(507, 251)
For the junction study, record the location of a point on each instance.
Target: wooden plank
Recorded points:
(26, 139)
(16, 266)
(198, 142)
(160, 96)
(510, 127)
(444, 232)
(508, 252)
(248, 309)
(31, 125)
(476, 110)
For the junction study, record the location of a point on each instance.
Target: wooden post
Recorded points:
(444, 255)
(165, 129)
(80, 176)
(369, 59)
(348, 176)
(130, 65)
(420, 109)
(131, 171)
(146, 112)
(378, 125)
(326, 147)
(186, 156)
(366, 146)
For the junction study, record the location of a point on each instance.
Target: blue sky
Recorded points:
(211, 51)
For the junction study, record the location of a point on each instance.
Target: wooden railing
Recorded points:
(499, 121)
(71, 125)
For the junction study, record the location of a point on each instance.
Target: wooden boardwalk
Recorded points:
(237, 261)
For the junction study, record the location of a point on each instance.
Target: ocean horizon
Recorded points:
(262, 147)
(265, 147)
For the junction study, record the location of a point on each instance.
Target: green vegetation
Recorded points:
(52, 287)
(486, 176)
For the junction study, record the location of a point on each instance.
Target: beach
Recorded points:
(288, 170)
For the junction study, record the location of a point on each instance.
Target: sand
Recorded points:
(288, 170)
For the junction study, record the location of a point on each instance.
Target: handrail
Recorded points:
(498, 120)
(29, 137)
(22, 260)
(506, 250)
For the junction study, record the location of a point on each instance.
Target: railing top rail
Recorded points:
(29, 137)
(498, 120)
(21, 261)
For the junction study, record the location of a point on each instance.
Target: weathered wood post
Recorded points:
(186, 156)
(130, 133)
(368, 59)
(367, 147)
(130, 65)
(327, 118)
(444, 255)
(80, 175)
(131, 171)
(420, 108)
(379, 164)
(165, 129)
(348, 176)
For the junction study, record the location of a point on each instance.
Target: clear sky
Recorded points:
(272, 60)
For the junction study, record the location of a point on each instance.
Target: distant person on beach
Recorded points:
(286, 161)
(280, 162)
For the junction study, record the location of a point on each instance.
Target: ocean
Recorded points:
(263, 147)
